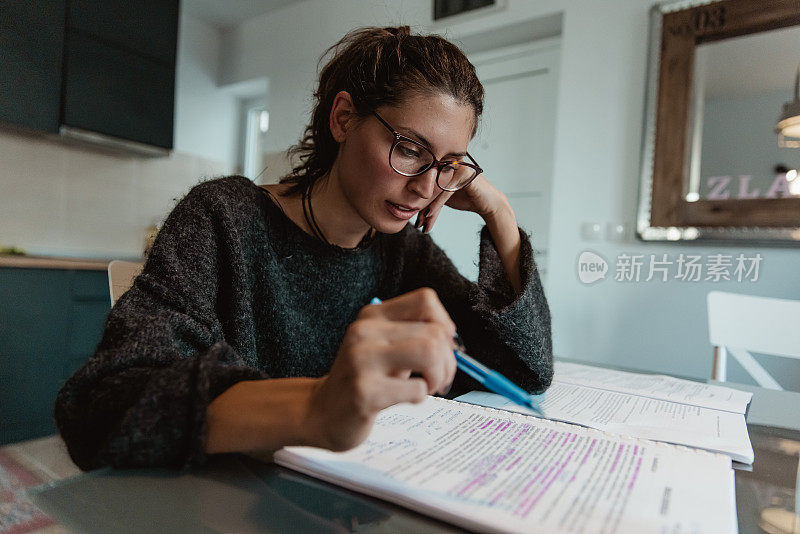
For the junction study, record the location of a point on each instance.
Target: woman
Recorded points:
(249, 328)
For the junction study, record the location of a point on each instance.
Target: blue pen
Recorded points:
(492, 380)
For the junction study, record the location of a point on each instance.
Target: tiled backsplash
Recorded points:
(67, 200)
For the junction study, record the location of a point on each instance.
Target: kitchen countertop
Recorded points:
(53, 262)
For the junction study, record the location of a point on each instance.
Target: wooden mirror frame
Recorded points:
(664, 214)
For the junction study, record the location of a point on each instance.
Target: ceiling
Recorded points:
(226, 13)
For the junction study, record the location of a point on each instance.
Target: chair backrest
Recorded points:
(121, 275)
(740, 324)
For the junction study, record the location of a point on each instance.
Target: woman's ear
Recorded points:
(343, 115)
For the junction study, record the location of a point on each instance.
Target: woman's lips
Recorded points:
(400, 213)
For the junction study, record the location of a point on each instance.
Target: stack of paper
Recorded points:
(654, 407)
(499, 471)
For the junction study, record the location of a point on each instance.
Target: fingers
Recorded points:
(435, 209)
(427, 218)
(428, 353)
(342, 409)
(406, 339)
(397, 351)
(431, 358)
(391, 391)
(422, 304)
(383, 332)
(400, 350)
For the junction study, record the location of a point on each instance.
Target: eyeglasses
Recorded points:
(411, 158)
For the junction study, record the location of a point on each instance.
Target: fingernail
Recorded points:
(427, 212)
(447, 389)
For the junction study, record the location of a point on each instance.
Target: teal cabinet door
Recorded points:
(50, 323)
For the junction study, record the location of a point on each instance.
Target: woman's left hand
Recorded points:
(479, 197)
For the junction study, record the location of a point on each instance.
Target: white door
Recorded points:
(514, 145)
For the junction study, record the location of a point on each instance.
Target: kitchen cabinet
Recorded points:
(116, 92)
(119, 69)
(51, 321)
(146, 27)
(88, 67)
(31, 46)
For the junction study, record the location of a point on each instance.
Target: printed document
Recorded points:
(660, 387)
(499, 471)
(653, 407)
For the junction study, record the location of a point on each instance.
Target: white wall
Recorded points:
(650, 325)
(206, 115)
(64, 200)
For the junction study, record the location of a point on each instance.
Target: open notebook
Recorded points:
(498, 471)
(655, 407)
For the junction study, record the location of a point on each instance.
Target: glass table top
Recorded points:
(235, 493)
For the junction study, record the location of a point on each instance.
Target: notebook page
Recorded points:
(491, 470)
(640, 417)
(654, 386)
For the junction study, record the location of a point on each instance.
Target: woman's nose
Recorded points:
(424, 185)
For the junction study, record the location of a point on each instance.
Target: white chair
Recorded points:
(121, 275)
(740, 324)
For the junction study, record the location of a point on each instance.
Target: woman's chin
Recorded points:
(389, 227)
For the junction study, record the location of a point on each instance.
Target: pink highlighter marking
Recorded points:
(616, 459)
(550, 438)
(521, 432)
(547, 486)
(512, 464)
(533, 481)
(591, 447)
(635, 473)
(477, 480)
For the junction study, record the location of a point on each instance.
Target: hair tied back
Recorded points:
(378, 66)
(400, 31)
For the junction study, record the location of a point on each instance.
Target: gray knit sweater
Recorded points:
(234, 290)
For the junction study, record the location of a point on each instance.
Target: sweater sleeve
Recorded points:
(141, 398)
(506, 331)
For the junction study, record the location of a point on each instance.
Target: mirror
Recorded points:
(739, 88)
(721, 77)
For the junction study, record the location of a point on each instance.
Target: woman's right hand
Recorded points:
(398, 351)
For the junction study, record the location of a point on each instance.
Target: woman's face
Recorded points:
(376, 192)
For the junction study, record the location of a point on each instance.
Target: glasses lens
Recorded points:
(408, 158)
(455, 175)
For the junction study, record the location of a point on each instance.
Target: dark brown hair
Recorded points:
(377, 67)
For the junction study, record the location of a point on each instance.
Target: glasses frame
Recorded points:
(435, 163)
